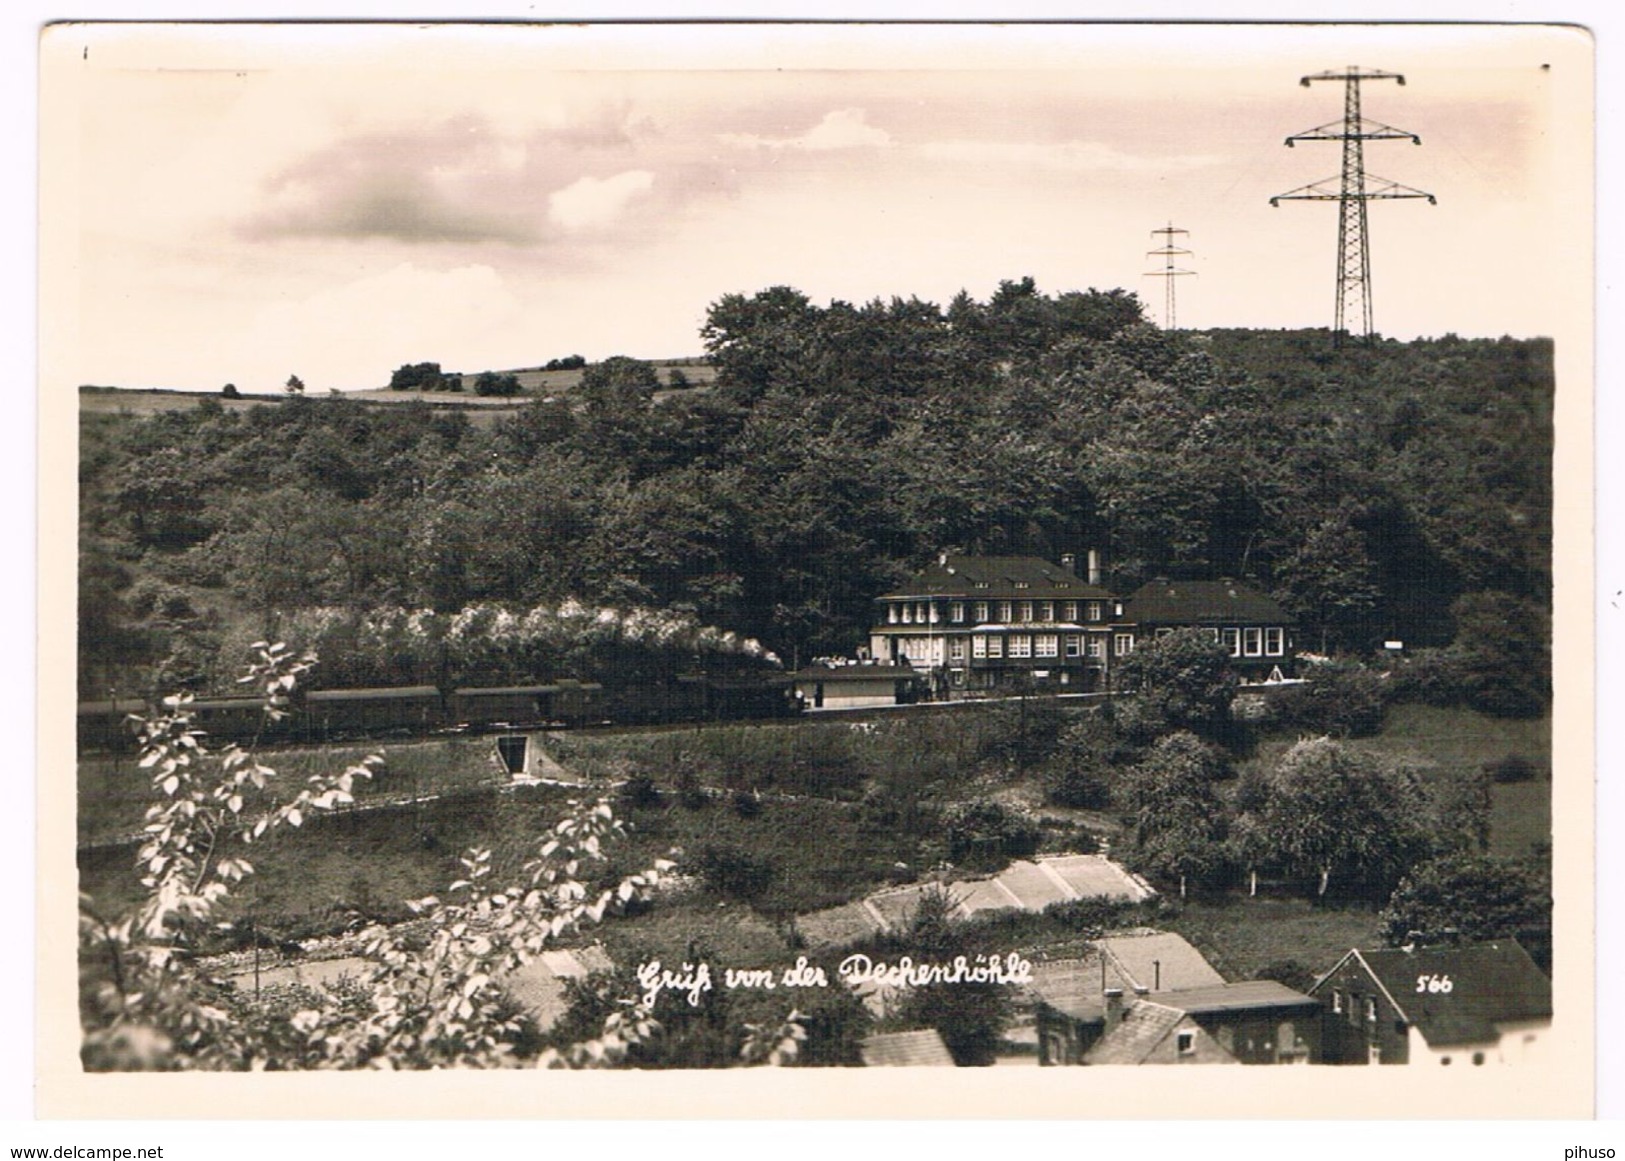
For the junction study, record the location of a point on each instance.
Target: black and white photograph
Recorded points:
(645, 549)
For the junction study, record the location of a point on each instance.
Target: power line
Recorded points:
(1169, 271)
(1354, 189)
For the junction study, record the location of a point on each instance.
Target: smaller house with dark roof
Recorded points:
(1255, 629)
(1435, 1006)
(922, 1048)
(1070, 995)
(1254, 1022)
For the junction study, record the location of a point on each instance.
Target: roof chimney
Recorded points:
(1114, 1007)
(1069, 561)
(1094, 566)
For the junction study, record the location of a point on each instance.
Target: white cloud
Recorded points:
(591, 202)
(841, 129)
(1069, 156)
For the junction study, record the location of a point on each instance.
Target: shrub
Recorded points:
(1431, 676)
(736, 873)
(1512, 768)
(988, 835)
(1290, 972)
(1079, 784)
(1343, 700)
(639, 792)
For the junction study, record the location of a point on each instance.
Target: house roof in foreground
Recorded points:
(1144, 1026)
(1490, 984)
(1074, 987)
(906, 1049)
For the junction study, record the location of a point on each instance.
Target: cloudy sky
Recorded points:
(242, 203)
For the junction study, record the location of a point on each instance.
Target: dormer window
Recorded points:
(1023, 585)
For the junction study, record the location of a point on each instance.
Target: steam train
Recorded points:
(336, 715)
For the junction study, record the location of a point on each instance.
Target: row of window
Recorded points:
(1248, 642)
(928, 613)
(1352, 1007)
(1252, 641)
(1042, 645)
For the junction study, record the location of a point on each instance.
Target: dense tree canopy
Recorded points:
(840, 447)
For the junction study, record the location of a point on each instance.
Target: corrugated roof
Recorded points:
(1144, 1026)
(1071, 986)
(999, 577)
(1165, 602)
(1074, 987)
(1239, 997)
(1161, 961)
(1490, 984)
(906, 1049)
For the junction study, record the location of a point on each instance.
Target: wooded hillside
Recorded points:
(1370, 489)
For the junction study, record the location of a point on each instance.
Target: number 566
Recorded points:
(1434, 984)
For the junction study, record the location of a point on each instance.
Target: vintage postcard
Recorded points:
(582, 557)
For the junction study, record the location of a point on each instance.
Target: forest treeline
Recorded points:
(1371, 489)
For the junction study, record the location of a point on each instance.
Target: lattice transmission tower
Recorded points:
(1168, 251)
(1354, 188)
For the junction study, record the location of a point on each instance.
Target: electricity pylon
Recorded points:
(1354, 189)
(1169, 271)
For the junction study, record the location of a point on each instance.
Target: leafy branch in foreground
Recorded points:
(431, 995)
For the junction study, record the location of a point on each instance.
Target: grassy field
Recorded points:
(317, 879)
(536, 382)
(1459, 741)
(799, 854)
(114, 791)
(1242, 936)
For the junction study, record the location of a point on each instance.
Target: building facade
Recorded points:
(1436, 1006)
(1256, 631)
(987, 623)
(984, 624)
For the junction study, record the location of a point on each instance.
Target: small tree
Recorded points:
(1329, 811)
(1477, 897)
(230, 391)
(1179, 822)
(432, 996)
(294, 386)
(1183, 681)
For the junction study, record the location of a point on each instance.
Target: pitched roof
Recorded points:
(1246, 996)
(1074, 987)
(1143, 1027)
(984, 577)
(906, 1049)
(1490, 984)
(1221, 602)
(1160, 960)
